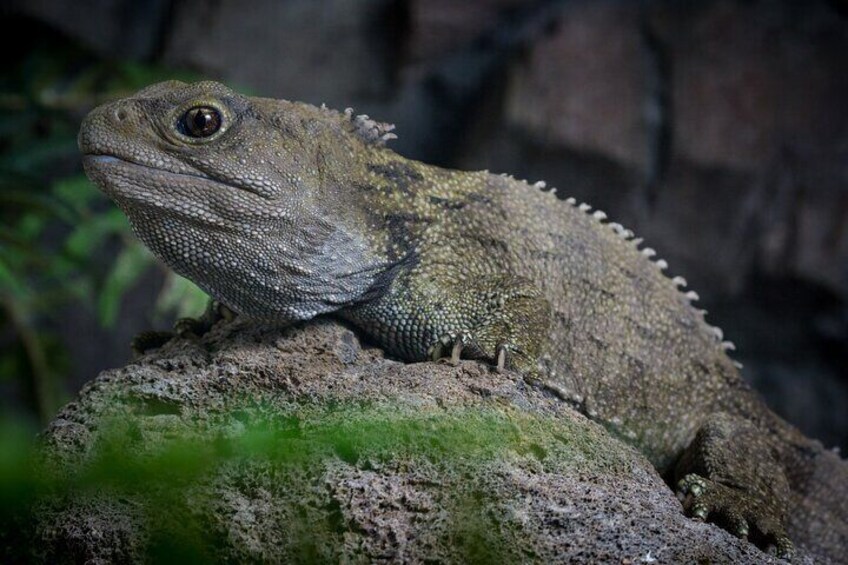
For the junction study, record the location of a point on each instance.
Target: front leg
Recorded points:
(500, 319)
(505, 321)
(184, 327)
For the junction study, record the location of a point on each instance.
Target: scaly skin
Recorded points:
(284, 211)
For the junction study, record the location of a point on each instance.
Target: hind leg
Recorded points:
(730, 476)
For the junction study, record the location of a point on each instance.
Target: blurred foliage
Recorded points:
(61, 241)
(165, 485)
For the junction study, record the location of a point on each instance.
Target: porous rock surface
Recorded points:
(554, 487)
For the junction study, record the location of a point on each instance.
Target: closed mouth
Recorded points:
(111, 160)
(102, 158)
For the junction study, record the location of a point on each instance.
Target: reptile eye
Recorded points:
(201, 121)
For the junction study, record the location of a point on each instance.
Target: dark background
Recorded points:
(715, 129)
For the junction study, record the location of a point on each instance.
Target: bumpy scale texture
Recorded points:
(284, 211)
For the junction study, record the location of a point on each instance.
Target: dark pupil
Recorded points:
(202, 121)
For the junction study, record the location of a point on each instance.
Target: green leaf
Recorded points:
(31, 226)
(87, 237)
(77, 192)
(10, 284)
(128, 267)
(23, 193)
(182, 297)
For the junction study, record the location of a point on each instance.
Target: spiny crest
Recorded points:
(370, 131)
(542, 185)
(649, 253)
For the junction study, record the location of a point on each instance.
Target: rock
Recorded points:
(589, 84)
(751, 78)
(112, 28)
(329, 52)
(720, 227)
(310, 447)
(439, 28)
(276, 47)
(705, 232)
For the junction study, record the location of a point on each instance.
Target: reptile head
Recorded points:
(195, 140)
(236, 193)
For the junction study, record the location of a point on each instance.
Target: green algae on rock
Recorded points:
(300, 445)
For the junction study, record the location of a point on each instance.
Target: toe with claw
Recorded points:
(709, 501)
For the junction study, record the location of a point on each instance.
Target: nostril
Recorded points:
(120, 114)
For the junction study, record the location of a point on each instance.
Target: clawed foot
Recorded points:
(731, 509)
(451, 348)
(183, 328)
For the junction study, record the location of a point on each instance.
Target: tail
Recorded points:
(818, 511)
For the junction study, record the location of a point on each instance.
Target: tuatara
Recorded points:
(284, 211)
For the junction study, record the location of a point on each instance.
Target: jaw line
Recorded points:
(112, 160)
(105, 159)
(97, 158)
(126, 191)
